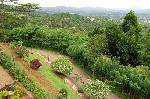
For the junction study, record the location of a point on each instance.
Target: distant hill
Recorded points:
(144, 14)
(85, 11)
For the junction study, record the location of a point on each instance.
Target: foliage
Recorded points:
(97, 43)
(96, 31)
(74, 22)
(112, 35)
(16, 44)
(96, 89)
(10, 20)
(27, 7)
(132, 80)
(131, 20)
(80, 89)
(15, 93)
(123, 41)
(145, 48)
(5, 94)
(62, 65)
(76, 51)
(6, 61)
(37, 37)
(128, 47)
(35, 64)
(29, 83)
(4, 35)
(22, 51)
(22, 77)
(62, 94)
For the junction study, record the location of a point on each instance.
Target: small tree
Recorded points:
(96, 89)
(131, 20)
(62, 65)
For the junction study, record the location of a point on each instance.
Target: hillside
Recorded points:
(70, 56)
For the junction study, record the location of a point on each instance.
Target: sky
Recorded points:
(127, 4)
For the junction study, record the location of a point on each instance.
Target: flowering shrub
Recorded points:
(96, 89)
(35, 64)
(62, 65)
(62, 94)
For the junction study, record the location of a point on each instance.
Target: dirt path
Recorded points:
(41, 79)
(5, 78)
(76, 71)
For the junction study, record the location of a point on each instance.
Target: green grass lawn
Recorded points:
(52, 77)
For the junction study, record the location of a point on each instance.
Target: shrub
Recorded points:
(134, 81)
(35, 64)
(62, 94)
(22, 51)
(16, 44)
(96, 89)
(62, 65)
(6, 61)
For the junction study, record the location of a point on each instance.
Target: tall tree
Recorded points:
(128, 43)
(131, 21)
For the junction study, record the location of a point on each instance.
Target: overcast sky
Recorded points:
(128, 4)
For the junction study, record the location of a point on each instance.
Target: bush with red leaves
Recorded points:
(35, 64)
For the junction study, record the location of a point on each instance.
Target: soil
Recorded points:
(5, 78)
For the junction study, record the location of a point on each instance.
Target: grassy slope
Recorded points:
(53, 78)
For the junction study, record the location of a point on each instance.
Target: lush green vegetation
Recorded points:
(47, 71)
(118, 52)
